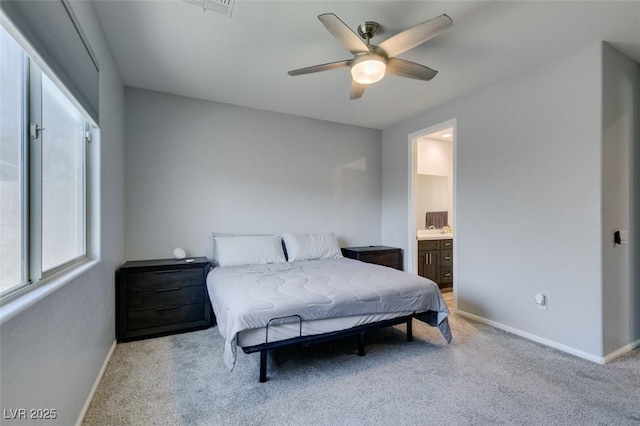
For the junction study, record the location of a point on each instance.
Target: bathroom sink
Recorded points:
(432, 234)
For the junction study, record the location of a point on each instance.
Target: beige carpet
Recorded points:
(484, 377)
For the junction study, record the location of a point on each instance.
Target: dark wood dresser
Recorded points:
(380, 255)
(159, 297)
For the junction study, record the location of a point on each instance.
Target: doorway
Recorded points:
(432, 206)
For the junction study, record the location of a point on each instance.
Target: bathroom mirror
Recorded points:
(432, 195)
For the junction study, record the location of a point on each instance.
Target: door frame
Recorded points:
(412, 246)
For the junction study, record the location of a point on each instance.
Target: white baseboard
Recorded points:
(95, 385)
(535, 338)
(623, 350)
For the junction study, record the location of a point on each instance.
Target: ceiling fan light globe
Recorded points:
(368, 70)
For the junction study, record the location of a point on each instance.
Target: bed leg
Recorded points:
(410, 330)
(361, 344)
(263, 366)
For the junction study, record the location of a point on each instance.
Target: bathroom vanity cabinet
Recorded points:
(435, 261)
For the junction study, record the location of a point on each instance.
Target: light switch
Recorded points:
(620, 237)
(623, 237)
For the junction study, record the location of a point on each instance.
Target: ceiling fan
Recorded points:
(370, 62)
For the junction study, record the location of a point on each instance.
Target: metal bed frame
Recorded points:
(429, 317)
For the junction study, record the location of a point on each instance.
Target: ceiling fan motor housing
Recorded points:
(368, 30)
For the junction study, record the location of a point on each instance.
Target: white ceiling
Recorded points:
(174, 47)
(439, 135)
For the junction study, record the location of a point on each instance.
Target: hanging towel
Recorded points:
(436, 219)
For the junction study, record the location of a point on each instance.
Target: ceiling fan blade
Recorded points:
(322, 67)
(343, 33)
(415, 36)
(404, 68)
(357, 90)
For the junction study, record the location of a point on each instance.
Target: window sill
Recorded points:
(21, 301)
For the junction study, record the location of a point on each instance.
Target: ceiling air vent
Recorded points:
(221, 6)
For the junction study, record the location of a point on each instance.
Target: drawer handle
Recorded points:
(447, 258)
(168, 308)
(167, 271)
(162, 290)
(447, 275)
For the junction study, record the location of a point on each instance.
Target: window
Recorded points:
(42, 173)
(12, 158)
(62, 179)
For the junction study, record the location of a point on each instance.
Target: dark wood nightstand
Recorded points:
(159, 297)
(381, 255)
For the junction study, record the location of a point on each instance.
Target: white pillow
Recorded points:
(228, 234)
(248, 250)
(312, 246)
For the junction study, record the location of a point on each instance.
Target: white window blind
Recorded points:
(52, 30)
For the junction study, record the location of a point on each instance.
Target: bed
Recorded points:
(297, 289)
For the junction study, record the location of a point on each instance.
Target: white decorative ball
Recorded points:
(179, 253)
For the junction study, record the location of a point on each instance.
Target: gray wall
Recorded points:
(195, 167)
(529, 201)
(621, 106)
(52, 352)
(635, 213)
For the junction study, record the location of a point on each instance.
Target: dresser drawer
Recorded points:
(446, 274)
(446, 257)
(385, 259)
(161, 298)
(163, 279)
(169, 315)
(446, 244)
(428, 245)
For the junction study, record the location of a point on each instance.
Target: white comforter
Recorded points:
(247, 297)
